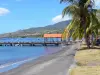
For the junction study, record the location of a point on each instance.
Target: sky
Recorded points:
(23, 14)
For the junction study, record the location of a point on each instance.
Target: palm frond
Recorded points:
(94, 24)
(73, 10)
(87, 3)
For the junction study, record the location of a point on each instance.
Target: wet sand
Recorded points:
(54, 64)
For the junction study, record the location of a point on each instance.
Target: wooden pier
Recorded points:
(28, 43)
(48, 39)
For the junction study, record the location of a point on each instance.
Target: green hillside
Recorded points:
(39, 31)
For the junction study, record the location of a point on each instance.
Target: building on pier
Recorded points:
(54, 38)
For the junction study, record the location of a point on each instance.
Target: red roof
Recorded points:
(52, 35)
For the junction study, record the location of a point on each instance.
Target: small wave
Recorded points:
(9, 66)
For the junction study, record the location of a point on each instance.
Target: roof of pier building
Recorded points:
(52, 35)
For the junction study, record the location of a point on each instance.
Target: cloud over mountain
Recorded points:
(59, 18)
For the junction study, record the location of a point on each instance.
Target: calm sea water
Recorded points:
(12, 57)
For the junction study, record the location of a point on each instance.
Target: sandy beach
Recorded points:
(54, 64)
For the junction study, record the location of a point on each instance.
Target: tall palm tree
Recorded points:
(84, 21)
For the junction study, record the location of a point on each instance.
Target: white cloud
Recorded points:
(59, 18)
(3, 11)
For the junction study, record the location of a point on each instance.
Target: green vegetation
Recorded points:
(39, 31)
(84, 19)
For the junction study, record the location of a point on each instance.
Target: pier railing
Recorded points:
(28, 43)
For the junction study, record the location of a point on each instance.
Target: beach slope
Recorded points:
(54, 64)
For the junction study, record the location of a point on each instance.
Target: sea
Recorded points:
(13, 56)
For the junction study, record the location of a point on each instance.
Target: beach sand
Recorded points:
(54, 64)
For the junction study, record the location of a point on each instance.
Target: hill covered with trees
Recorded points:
(39, 31)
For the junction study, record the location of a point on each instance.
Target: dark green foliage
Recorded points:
(84, 20)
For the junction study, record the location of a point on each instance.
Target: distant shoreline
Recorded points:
(38, 31)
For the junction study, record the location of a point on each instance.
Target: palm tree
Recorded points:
(84, 21)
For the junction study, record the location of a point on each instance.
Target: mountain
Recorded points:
(39, 31)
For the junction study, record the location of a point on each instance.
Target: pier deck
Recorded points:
(28, 43)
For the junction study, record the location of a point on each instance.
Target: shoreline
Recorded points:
(13, 65)
(35, 66)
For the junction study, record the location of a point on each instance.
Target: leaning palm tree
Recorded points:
(83, 18)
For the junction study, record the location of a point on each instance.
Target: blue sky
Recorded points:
(23, 14)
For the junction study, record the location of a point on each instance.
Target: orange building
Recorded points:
(52, 35)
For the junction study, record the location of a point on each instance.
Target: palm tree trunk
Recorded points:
(83, 23)
(92, 40)
(86, 37)
(87, 40)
